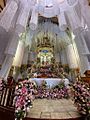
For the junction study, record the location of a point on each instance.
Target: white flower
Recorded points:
(16, 111)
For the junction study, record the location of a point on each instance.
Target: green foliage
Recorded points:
(19, 114)
(60, 85)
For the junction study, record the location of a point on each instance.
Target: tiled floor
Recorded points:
(53, 109)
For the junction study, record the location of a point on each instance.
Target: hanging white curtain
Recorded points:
(74, 20)
(63, 57)
(85, 10)
(34, 20)
(12, 45)
(9, 55)
(62, 21)
(19, 54)
(25, 56)
(48, 12)
(23, 19)
(57, 57)
(6, 66)
(4, 10)
(48, 3)
(72, 2)
(32, 56)
(29, 37)
(8, 15)
(4, 38)
(84, 63)
(71, 58)
(6, 23)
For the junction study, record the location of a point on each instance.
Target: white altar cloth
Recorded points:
(51, 81)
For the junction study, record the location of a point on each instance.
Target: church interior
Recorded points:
(44, 60)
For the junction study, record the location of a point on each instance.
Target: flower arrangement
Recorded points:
(58, 92)
(27, 90)
(81, 95)
(23, 98)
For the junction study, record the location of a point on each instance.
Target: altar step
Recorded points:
(80, 118)
(62, 109)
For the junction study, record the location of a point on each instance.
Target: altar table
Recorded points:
(51, 82)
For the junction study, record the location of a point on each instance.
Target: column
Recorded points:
(79, 40)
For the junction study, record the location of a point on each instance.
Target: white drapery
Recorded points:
(6, 66)
(8, 15)
(84, 63)
(19, 54)
(71, 57)
(47, 12)
(29, 37)
(62, 21)
(85, 10)
(23, 19)
(12, 46)
(63, 57)
(6, 23)
(34, 20)
(72, 2)
(10, 52)
(50, 8)
(32, 56)
(11, 9)
(74, 20)
(57, 57)
(25, 56)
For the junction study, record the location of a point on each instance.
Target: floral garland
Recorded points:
(23, 98)
(81, 95)
(57, 92)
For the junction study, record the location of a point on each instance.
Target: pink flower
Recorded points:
(20, 101)
(24, 90)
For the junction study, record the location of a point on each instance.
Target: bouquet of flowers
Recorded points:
(23, 98)
(81, 95)
(57, 92)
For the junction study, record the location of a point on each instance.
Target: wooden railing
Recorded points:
(7, 102)
(7, 96)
